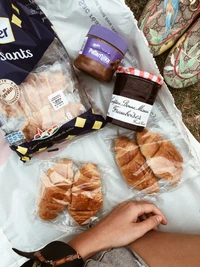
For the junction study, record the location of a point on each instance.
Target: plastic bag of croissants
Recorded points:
(148, 162)
(70, 193)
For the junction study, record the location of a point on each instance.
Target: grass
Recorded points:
(186, 99)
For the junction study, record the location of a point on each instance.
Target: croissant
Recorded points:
(86, 194)
(132, 165)
(81, 217)
(57, 184)
(161, 155)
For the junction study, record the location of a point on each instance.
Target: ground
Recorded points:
(187, 99)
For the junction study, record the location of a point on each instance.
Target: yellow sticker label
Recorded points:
(16, 21)
(80, 122)
(97, 125)
(22, 150)
(42, 149)
(15, 8)
(24, 158)
(70, 136)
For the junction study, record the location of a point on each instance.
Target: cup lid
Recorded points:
(109, 36)
(141, 73)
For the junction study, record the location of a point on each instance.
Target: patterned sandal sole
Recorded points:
(182, 66)
(163, 22)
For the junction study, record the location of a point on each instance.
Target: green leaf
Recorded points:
(186, 75)
(185, 83)
(198, 53)
(192, 49)
(154, 33)
(142, 24)
(185, 45)
(156, 37)
(156, 48)
(178, 82)
(168, 80)
(194, 79)
(156, 40)
(190, 63)
(182, 63)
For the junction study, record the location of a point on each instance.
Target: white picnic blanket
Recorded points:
(19, 183)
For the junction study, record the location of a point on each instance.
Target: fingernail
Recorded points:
(159, 219)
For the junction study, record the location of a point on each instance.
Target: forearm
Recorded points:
(117, 229)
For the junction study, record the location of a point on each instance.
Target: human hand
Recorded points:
(126, 223)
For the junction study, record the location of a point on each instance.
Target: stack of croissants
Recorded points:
(150, 159)
(79, 192)
(142, 164)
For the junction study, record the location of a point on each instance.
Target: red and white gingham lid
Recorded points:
(141, 73)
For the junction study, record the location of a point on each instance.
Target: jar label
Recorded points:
(102, 53)
(129, 110)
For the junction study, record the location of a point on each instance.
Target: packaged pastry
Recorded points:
(69, 188)
(41, 100)
(56, 186)
(86, 195)
(148, 162)
(161, 156)
(133, 166)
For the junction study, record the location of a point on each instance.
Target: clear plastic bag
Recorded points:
(49, 98)
(41, 100)
(70, 193)
(150, 162)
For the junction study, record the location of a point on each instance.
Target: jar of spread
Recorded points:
(134, 94)
(102, 53)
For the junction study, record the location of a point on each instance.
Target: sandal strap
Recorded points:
(58, 262)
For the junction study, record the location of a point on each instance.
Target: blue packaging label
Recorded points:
(15, 137)
(102, 53)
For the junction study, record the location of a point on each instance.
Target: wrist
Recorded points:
(88, 243)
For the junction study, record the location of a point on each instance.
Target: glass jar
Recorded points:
(134, 94)
(102, 53)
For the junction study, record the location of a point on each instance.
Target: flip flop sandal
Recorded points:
(164, 21)
(182, 66)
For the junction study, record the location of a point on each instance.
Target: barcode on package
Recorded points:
(58, 100)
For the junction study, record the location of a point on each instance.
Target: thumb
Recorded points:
(149, 224)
